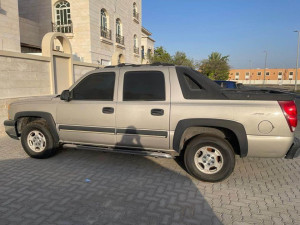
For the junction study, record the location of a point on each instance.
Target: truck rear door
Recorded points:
(143, 108)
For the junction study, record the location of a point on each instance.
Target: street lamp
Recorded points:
(265, 68)
(250, 71)
(296, 78)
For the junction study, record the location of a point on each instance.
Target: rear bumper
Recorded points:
(10, 129)
(294, 151)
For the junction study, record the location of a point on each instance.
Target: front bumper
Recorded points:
(10, 129)
(294, 151)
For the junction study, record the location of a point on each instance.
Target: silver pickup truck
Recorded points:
(159, 110)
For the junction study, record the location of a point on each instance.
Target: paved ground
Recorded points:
(127, 189)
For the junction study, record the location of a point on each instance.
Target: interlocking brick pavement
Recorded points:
(128, 189)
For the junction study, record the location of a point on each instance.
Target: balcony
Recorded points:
(136, 50)
(120, 39)
(63, 28)
(106, 33)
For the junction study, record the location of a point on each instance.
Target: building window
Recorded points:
(105, 62)
(237, 75)
(258, 73)
(247, 77)
(63, 22)
(135, 45)
(105, 32)
(279, 75)
(143, 52)
(119, 37)
(291, 75)
(121, 59)
(267, 73)
(135, 11)
(149, 53)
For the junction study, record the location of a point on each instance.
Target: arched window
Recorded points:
(63, 22)
(135, 45)
(104, 25)
(135, 11)
(143, 52)
(119, 37)
(149, 53)
(118, 27)
(105, 32)
(120, 59)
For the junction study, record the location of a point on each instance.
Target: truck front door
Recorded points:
(89, 117)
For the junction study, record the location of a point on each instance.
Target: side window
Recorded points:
(98, 86)
(191, 83)
(144, 86)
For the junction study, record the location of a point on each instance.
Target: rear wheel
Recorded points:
(209, 158)
(37, 140)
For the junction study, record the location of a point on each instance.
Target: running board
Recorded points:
(122, 151)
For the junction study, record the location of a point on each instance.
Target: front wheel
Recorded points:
(209, 158)
(37, 140)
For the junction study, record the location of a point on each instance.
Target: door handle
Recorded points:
(157, 112)
(108, 110)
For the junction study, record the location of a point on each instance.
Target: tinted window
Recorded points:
(194, 85)
(191, 83)
(144, 86)
(98, 86)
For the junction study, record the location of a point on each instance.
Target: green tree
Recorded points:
(180, 58)
(216, 67)
(161, 55)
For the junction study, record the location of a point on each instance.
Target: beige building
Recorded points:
(147, 46)
(9, 26)
(104, 32)
(281, 76)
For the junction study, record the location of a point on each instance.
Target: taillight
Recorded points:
(290, 112)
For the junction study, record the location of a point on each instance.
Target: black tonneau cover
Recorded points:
(264, 95)
(205, 88)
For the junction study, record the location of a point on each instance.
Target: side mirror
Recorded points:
(65, 95)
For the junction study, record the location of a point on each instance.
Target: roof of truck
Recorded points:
(140, 65)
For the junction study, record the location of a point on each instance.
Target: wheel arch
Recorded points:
(39, 115)
(189, 128)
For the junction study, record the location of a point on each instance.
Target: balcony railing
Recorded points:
(63, 28)
(136, 15)
(120, 39)
(106, 33)
(136, 50)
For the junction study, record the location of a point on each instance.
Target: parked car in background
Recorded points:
(227, 84)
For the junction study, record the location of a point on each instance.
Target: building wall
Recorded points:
(9, 26)
(30, 32)
(86, 40)
(39, 13)
(23, 75)
(109, 50)
(81, 37)
(148, 44)
(80, 70)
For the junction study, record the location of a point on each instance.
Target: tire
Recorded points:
(209, 158)
(37, 140)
